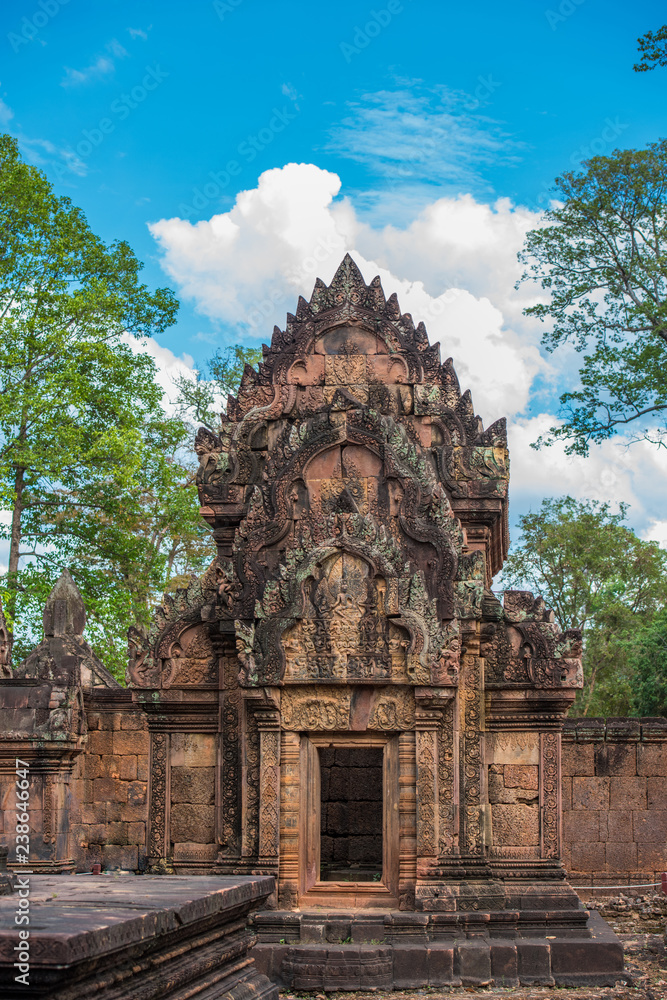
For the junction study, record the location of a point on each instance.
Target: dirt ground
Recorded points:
(638, 921)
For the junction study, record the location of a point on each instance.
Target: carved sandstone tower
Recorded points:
(382, 732)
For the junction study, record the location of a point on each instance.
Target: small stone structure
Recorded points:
(125, 937)
(340, 701)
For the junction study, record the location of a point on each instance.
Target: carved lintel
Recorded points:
(434, 697)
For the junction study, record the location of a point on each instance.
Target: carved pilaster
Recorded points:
(250, 824)
(427, 719)
(231, 774)
(159, 798)
(550, 813)
(407, 809)
(289, 820)
(268, 725)
(49, 810)
(427, 783)
(447, 784)
(472, 833)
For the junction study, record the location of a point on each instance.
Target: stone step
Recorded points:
(545, 960)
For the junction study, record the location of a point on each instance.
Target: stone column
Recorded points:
(472, 699)
(550, 795)
(159, 799)
(407, 804)
(268, 724)
(448, 782)
(426, 754)
(289, 820)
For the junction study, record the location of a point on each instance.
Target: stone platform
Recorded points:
(320, 950)
(123, 937)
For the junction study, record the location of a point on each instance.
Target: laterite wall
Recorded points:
(109, 785)
(615, 800)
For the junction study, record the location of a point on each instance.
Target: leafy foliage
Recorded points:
(598, 576)
(601, 258)
(653, 50)
(201, 399)
(92, 470)
(647, 652)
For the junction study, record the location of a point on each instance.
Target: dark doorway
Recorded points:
(351, 824)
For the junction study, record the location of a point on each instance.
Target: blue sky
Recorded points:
(426, 127)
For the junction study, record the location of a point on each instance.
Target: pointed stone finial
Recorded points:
(348, 278)
(64, 613)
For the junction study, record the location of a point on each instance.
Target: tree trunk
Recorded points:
(15, 543)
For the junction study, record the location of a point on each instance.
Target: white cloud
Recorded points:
(422, 134)
(454, 266)
(246, 266)
(43, 153)
(169, 365)
(656, 530)
(101, 69)
(6, 113)
(613, 471)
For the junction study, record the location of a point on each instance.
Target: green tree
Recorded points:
(201, 399)
(94, 474)
(647, 652)
(601, 260)
(653, 50)
(91, 469)
(126, 546)
(598, 576)
(73, 393)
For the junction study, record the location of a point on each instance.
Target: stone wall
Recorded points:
(614, 786)
(614, 800)
(192, 798)
(109, 785)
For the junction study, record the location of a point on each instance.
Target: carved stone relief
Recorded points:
(345, 633)
(342, 709)
(157, 842)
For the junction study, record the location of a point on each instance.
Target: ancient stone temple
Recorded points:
(341, 702)
(382, 733)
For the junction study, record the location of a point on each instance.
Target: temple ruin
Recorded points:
(340, 702)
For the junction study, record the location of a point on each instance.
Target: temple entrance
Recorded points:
(345, 817)
(351, 800)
